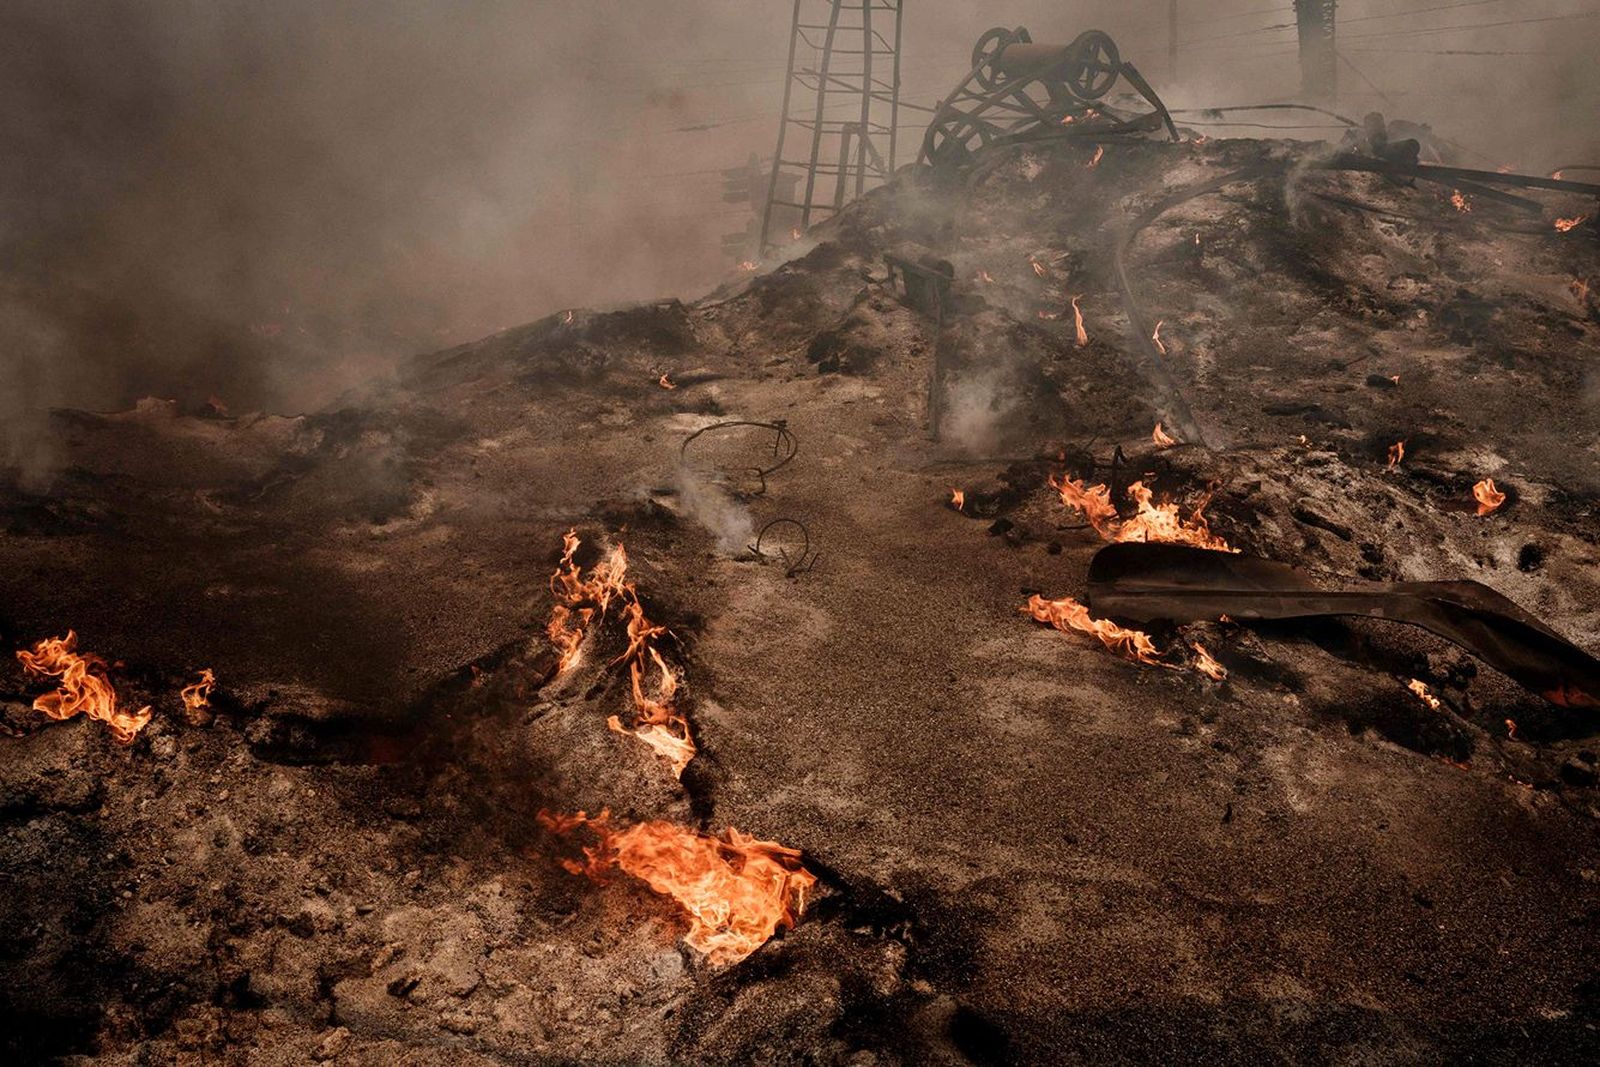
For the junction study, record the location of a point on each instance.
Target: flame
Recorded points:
(1424, 695)
(985, 277)
(666, 383)
(217, 405)
(1563, 225)
(749, 264)
(1488, 497)
(1155, 335)
(1038, 268)
(1395, 378)
(1197, 240)
(1067, 614)
(1048, 316)
(656, 722)
(83, 687)
(1151, 522)
(1462, 204)
(1397, 452)
(1556, 174)
(1161, 439)
(1077, 322)
(794, 233)
(1511, 729)
(566, 320)
(737, 891)
(1099, 150)
(1580, 288)
(197, 698)
(958, 499)
(580, 599)
(1202, 139)
(1208, 666)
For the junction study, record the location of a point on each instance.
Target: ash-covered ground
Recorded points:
(1029, 849)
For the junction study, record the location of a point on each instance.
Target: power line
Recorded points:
(1390, 35)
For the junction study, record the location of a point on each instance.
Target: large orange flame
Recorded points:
(736, 890)
(197, 698)
(580, 599)
(1151, 522)
(1067, 614)
(83, 687)
(1488, 497)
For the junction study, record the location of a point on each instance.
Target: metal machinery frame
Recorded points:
(1017, 88)
(854, 64)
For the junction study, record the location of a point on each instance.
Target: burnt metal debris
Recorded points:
(784, 445)
(793, 565)
(922, 283)
(1016, 88)
(1177, 583)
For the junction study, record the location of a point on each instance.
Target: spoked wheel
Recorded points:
(1093, 65)
(952, 139)
(988, 48)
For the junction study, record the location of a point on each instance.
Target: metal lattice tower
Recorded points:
(844, 78)
(1319, 71)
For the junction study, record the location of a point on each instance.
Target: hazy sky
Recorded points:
(266, 200)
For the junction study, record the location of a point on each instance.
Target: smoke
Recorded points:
(271, 202)
(713, 507)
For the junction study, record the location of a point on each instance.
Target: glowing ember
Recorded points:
(1099, 150)
(1161, 439)
(749, 264)
(1155, 335)
(1067, 614)
(1462, 204)
(985, 277)
(1397, 452)
(958, 499)
(83, 687)
(197, 698)
(1208, 666)
(736, 890)
(1511, 729)
(580, 599)
(1077, 322)
(666, 382)
(1488, 497)
(1424, 695)
(1563, 225)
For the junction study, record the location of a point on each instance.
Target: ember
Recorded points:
(1563, 225)
(1099, 150)
(1461, 203)
(1488, 497)
(1067, 614)
(1077, 322)
(1161, 439)
(197, 698)
(83, 687)
(1397, 452)
(1424, 695)
(736, 890)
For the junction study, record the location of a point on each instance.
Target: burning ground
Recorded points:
(872, 794)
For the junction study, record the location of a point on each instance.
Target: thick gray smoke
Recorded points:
(270, 202)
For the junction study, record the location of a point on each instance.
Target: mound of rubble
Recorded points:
(787, 583)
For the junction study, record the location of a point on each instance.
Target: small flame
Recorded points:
(1067, 614)
(958, 499)
(1155, 335)
(1197, 240)
(1462, 204)
(665, 382)
(1066, 120)
(1395, 378)
(1048, 316)
(736, 890)
(197, 698)
(566, 320)
(749, 264)
(1077, 322)
(1099, 150)
(217, 405)
(1556, 174)
(794, 233)
(1580, 289)
(1038, 268)
(1488, 497)
(1161, 439)
(985, 277)
(1424, 695)
(580, 599)
(1397, 452)
(1207, 665)
(1151, 522)
(1511, 729)
(83, 687)
(1563, 225)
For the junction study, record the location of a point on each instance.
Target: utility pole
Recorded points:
(1172, 40)
(1319, 70)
